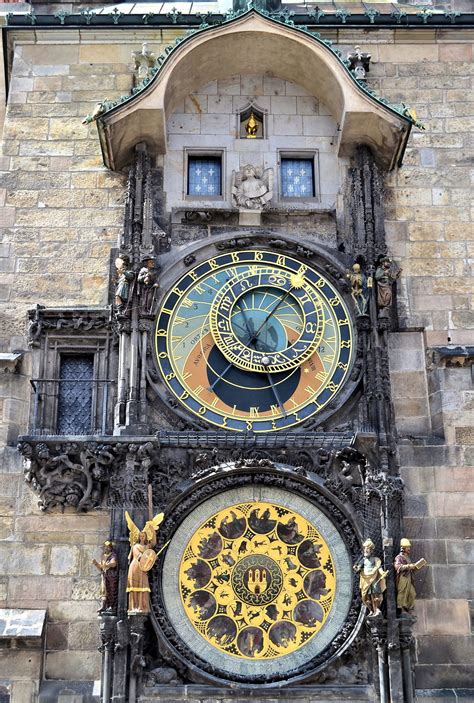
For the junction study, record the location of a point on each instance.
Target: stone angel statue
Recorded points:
(142, 557)
(252, 187)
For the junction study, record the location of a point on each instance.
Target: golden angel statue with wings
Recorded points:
(142, 557)
(252, 187)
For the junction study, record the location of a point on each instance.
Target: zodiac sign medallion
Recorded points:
(257, 580)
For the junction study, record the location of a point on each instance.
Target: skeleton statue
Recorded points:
(252, 188)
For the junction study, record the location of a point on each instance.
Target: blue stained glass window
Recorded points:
(297, 178)
(204, 175)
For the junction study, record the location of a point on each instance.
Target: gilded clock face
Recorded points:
(257, 581)
(254, 341)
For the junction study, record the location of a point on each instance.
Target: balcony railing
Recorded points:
(70, 406)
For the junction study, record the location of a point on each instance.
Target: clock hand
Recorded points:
(272, 311)
(275, 393)
(267, 349)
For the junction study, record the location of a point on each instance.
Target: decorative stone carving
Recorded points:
(359, 63)
(144, 60)
(252, 188)
(41, 320)
(67, 474)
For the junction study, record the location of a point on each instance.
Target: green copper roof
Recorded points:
(283, 17)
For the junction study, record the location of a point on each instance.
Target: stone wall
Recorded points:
(63, 211)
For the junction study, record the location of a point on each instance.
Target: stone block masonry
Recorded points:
(62, 213)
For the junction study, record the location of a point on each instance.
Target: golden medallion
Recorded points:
(257, 580)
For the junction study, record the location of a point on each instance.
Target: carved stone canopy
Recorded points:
(248, 43)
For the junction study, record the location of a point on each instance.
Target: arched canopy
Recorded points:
(253, 43)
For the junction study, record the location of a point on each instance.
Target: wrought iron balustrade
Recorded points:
(70, 406)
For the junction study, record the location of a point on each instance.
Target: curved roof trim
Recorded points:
(275, 44)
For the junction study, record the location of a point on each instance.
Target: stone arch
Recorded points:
(253, 43)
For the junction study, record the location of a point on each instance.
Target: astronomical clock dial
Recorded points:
(254, 341)
(258, 581)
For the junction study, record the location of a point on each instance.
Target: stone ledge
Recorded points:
(21, 627)
(304, 693)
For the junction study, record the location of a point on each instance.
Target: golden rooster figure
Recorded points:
(142, 557)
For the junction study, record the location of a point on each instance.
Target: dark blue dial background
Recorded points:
(246, 389)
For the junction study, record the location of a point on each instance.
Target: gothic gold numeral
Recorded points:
(254, 412)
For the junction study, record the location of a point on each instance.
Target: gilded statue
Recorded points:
(385, 276)
(252, 188)
(108, 567)
(404, 568)
(142, 557)
(372, 577)
(251, 127)
(359, 288)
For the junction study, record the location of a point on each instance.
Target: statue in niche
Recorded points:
(404, 568)
(124, 277)
(252, 188)
(360, 285)
(386, 274)
(371, 578)
(142, 557)
(148, 284)
(108, 567)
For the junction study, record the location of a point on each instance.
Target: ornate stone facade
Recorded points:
(395, 439)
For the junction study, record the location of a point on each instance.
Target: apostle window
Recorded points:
(204, 175)
(297, 177)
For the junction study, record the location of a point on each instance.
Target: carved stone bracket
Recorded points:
(67, 474)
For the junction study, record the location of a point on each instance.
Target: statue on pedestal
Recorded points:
(372, 578)
(404, 568)
(142, 557)
(108, 567)
(124, 277)
(359, 288)
(385, 275)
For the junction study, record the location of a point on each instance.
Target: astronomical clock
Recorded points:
(254, 341)
(253, 346)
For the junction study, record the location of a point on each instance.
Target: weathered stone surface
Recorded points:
(64, 560)
(74, 665)
(21, 666)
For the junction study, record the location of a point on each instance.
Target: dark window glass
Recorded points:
(75, 394)
(204, 175)
(297, 178)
